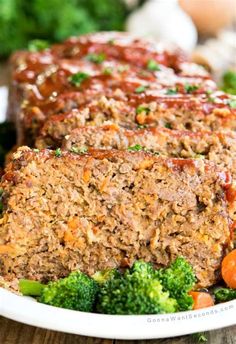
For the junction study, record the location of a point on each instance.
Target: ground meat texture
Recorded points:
(180, 113)
(215, 146)
(41, 85)
(105, 209)
(56, 94)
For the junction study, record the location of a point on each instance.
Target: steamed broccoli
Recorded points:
(77, 292)
(224, 294)
(178, 279)
(138, 291)
(102, 277)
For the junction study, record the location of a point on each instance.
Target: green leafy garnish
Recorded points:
(152, 65)
(135, 148)
(58, 152)
(200, 337)
(232, 103)
(168, 125)
(211, 99)
(142, 126)
(78, 78)
(77, 150)
(171, 91)
(229, 82)
(96, 58)
(141, 88)
(190, 88)
(123, 68)
(35, 150)
(38, 45)
(107, 71)
(111, 41)
(141, 109)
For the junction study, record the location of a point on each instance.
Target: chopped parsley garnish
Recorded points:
(77, 150)
(141, 109)
(107, 71)
(58, 152)
(38, 45)
(171, 91)
(168, 125)
(153, 65)
(123, 68)
(142, 126)
(135, 148)
(232, 103)
(141, 88)
(190, 88)
(111, 41)
(96, 58)
(78, 78)
(211, 99)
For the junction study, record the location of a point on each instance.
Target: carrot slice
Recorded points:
(201, 299)
(228, 269)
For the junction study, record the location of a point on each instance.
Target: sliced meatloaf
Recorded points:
(180, 113)
(94, 51)
(58, 93)
(215, 146)
(64, 211)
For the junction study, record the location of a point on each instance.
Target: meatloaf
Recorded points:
(180, 112)
(112, 62)
(64, 211)
(215, 146)
(57, 93)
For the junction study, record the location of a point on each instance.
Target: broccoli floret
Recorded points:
(224, 294)
(104, 276)
(178, 279)
(77, 292)
(138, 291)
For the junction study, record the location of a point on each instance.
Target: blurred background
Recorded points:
(203, 28)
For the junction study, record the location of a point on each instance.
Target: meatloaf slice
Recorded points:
(215, 146)
(64, 211)
(179, 112)
(56, 93)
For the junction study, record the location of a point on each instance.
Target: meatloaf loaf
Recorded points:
(64, 211)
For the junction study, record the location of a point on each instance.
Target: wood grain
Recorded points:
(12, 332)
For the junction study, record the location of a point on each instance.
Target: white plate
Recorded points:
(28, 311)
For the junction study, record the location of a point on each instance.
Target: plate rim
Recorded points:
(28, 311)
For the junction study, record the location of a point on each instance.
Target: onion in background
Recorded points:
(164, 20)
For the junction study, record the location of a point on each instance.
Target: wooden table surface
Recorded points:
(12, 332)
